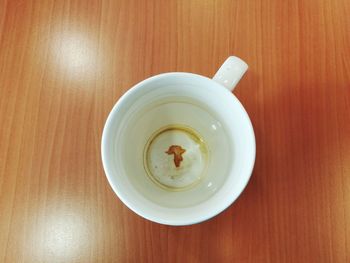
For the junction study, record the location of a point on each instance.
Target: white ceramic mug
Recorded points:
(179, 148)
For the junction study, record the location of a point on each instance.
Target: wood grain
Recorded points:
(63, 65)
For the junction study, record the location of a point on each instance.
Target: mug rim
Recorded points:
(195, 219)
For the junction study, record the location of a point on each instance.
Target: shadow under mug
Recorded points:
(179, 148)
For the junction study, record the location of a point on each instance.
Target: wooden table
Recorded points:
(63, 65)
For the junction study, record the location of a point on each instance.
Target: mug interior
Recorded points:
(178, 100)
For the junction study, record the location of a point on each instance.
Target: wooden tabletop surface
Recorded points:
(63, 65)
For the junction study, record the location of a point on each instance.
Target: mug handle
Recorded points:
(230, 72)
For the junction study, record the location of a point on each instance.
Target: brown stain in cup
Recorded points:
(177, 151)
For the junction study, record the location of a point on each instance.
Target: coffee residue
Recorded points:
(177, 151)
